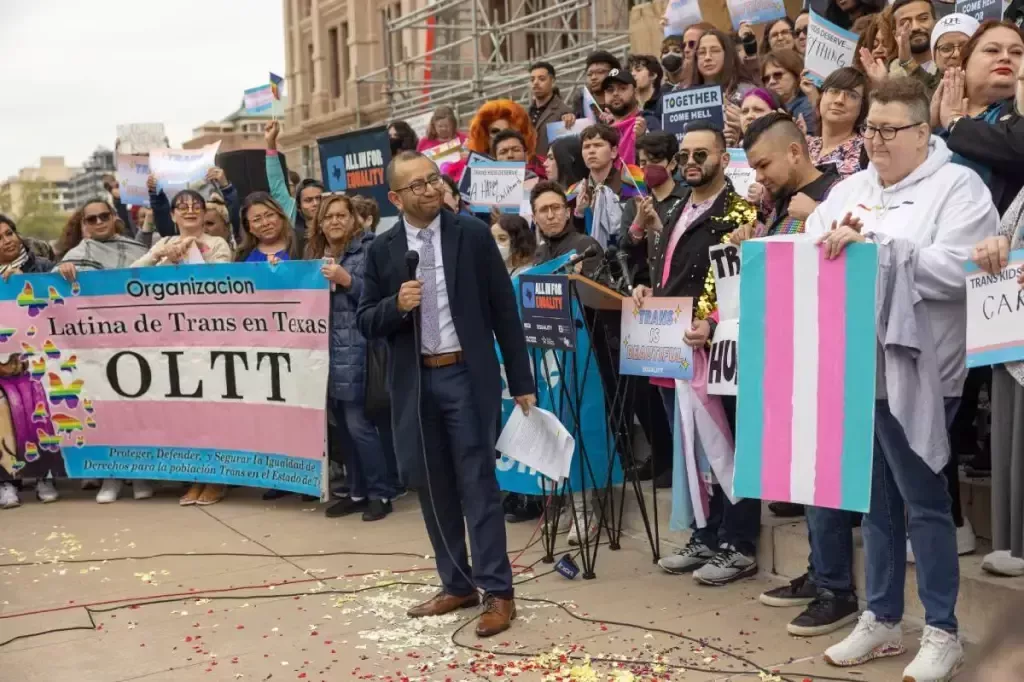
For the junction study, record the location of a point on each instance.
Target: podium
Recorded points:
(549, 308)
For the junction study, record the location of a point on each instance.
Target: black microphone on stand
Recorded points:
(627, 276)
(588, 252)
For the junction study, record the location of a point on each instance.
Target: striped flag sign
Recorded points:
(806, 393)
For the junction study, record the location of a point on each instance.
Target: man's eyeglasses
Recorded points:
(98, 218)
(699, 156)
(885, 132)
(552, 210)
(419, 187)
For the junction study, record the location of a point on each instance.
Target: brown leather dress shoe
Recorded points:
(443, 603)
(497, 616)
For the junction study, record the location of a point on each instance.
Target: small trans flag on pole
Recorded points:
(806, 395)
(259, 99)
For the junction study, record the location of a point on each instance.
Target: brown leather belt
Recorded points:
(442, 360)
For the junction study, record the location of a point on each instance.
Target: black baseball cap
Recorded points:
(618, 76)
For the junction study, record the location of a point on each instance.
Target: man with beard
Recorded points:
(777, 151)
(914, 21)
(725, 549)
(546, 104)
(626, 116)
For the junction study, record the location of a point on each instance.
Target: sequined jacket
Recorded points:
(690, 271)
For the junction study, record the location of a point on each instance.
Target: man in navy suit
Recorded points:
(464, 300)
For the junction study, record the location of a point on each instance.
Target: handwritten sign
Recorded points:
(755, 11)
(739, 171)
(558, 129)
(722, 363)
(496, 184)
(140, 138)
(828, 48)
(178, 169)
(679, 109)
(132, 173)
(982, 10)
(652, 338)
(995, 314)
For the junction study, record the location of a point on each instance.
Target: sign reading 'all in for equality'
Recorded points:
(186, 373)
(547, 316)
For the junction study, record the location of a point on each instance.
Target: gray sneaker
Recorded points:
(725, 567)
(688, 559)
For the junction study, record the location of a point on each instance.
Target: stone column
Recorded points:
(321, 101)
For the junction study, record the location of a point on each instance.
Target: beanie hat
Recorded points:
(954, 23)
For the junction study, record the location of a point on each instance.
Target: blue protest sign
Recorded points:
(554, 366)
(683, 107)
(544, 300)
(354, 163)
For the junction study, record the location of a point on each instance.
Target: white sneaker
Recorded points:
(590, 522)
(46, 492)
(966, 542)
(869, 640)
(939, 658)
(1002, 563)
(142, 490)
(109, 491)
(9, 496)
(90, 484)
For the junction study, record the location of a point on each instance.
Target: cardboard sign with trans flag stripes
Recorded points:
(806, 396)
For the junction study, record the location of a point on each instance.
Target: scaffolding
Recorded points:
(466, 52)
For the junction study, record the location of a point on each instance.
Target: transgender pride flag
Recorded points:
(806, 392)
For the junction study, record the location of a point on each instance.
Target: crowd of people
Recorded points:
(917, 147)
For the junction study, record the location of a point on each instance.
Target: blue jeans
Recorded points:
(901, 481)
(830, 534)
(462, 492)
(736, 524)
(387, 442)
(364, 458)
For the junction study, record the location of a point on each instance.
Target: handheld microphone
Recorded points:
(412, 261)
(622, 257)
(588, 252)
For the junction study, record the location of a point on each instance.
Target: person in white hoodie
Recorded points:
(911, 195)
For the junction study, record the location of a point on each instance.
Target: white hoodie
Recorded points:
(944, 209)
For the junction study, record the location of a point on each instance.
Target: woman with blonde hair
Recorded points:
(340, 240)
(442, 129)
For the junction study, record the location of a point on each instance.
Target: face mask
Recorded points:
(503, 249)
(672, 62)
(395, 144)
(655, 175)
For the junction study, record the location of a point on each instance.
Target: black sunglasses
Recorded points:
(699, 156)
(97, 218)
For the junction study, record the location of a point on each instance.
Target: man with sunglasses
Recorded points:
(913, 200)
(800, 31)
(446, 383)
(725, 550)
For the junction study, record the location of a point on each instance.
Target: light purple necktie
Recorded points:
(429, 321)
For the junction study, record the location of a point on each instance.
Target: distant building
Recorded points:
(239, 130)
(52, 178)
(89, 183)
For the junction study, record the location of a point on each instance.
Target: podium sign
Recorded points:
(547, 317)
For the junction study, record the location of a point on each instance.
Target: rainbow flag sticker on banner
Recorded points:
(806, 393)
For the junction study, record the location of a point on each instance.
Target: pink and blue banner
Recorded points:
(208, 373)
(806, 395)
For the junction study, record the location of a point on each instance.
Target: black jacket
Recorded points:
(570, 240)
(690, 260)
(998, 146)
(483, 307)
(641, 253)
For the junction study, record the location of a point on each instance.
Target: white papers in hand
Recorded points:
(538, 440)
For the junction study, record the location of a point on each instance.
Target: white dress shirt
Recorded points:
(449, 337)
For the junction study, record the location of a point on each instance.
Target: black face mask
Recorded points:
(396, 145)
(672, 62)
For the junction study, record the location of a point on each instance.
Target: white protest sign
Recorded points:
(725, 266)
(679, 14)
(995, 314)
(755, 11)
(722, 365)
(178, 169)
(739, 171)
(557, 129)
(419, 123)
(496, 184)
(140, 138)
(132, 173)
(828, 48)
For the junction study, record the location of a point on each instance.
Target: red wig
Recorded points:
(480, 129)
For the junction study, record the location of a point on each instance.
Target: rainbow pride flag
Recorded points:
(633, 182)
(806, 355)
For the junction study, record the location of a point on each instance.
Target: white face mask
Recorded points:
(503, 249)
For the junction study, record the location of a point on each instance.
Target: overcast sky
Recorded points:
(73, 69)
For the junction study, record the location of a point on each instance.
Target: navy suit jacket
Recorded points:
(484, 308)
